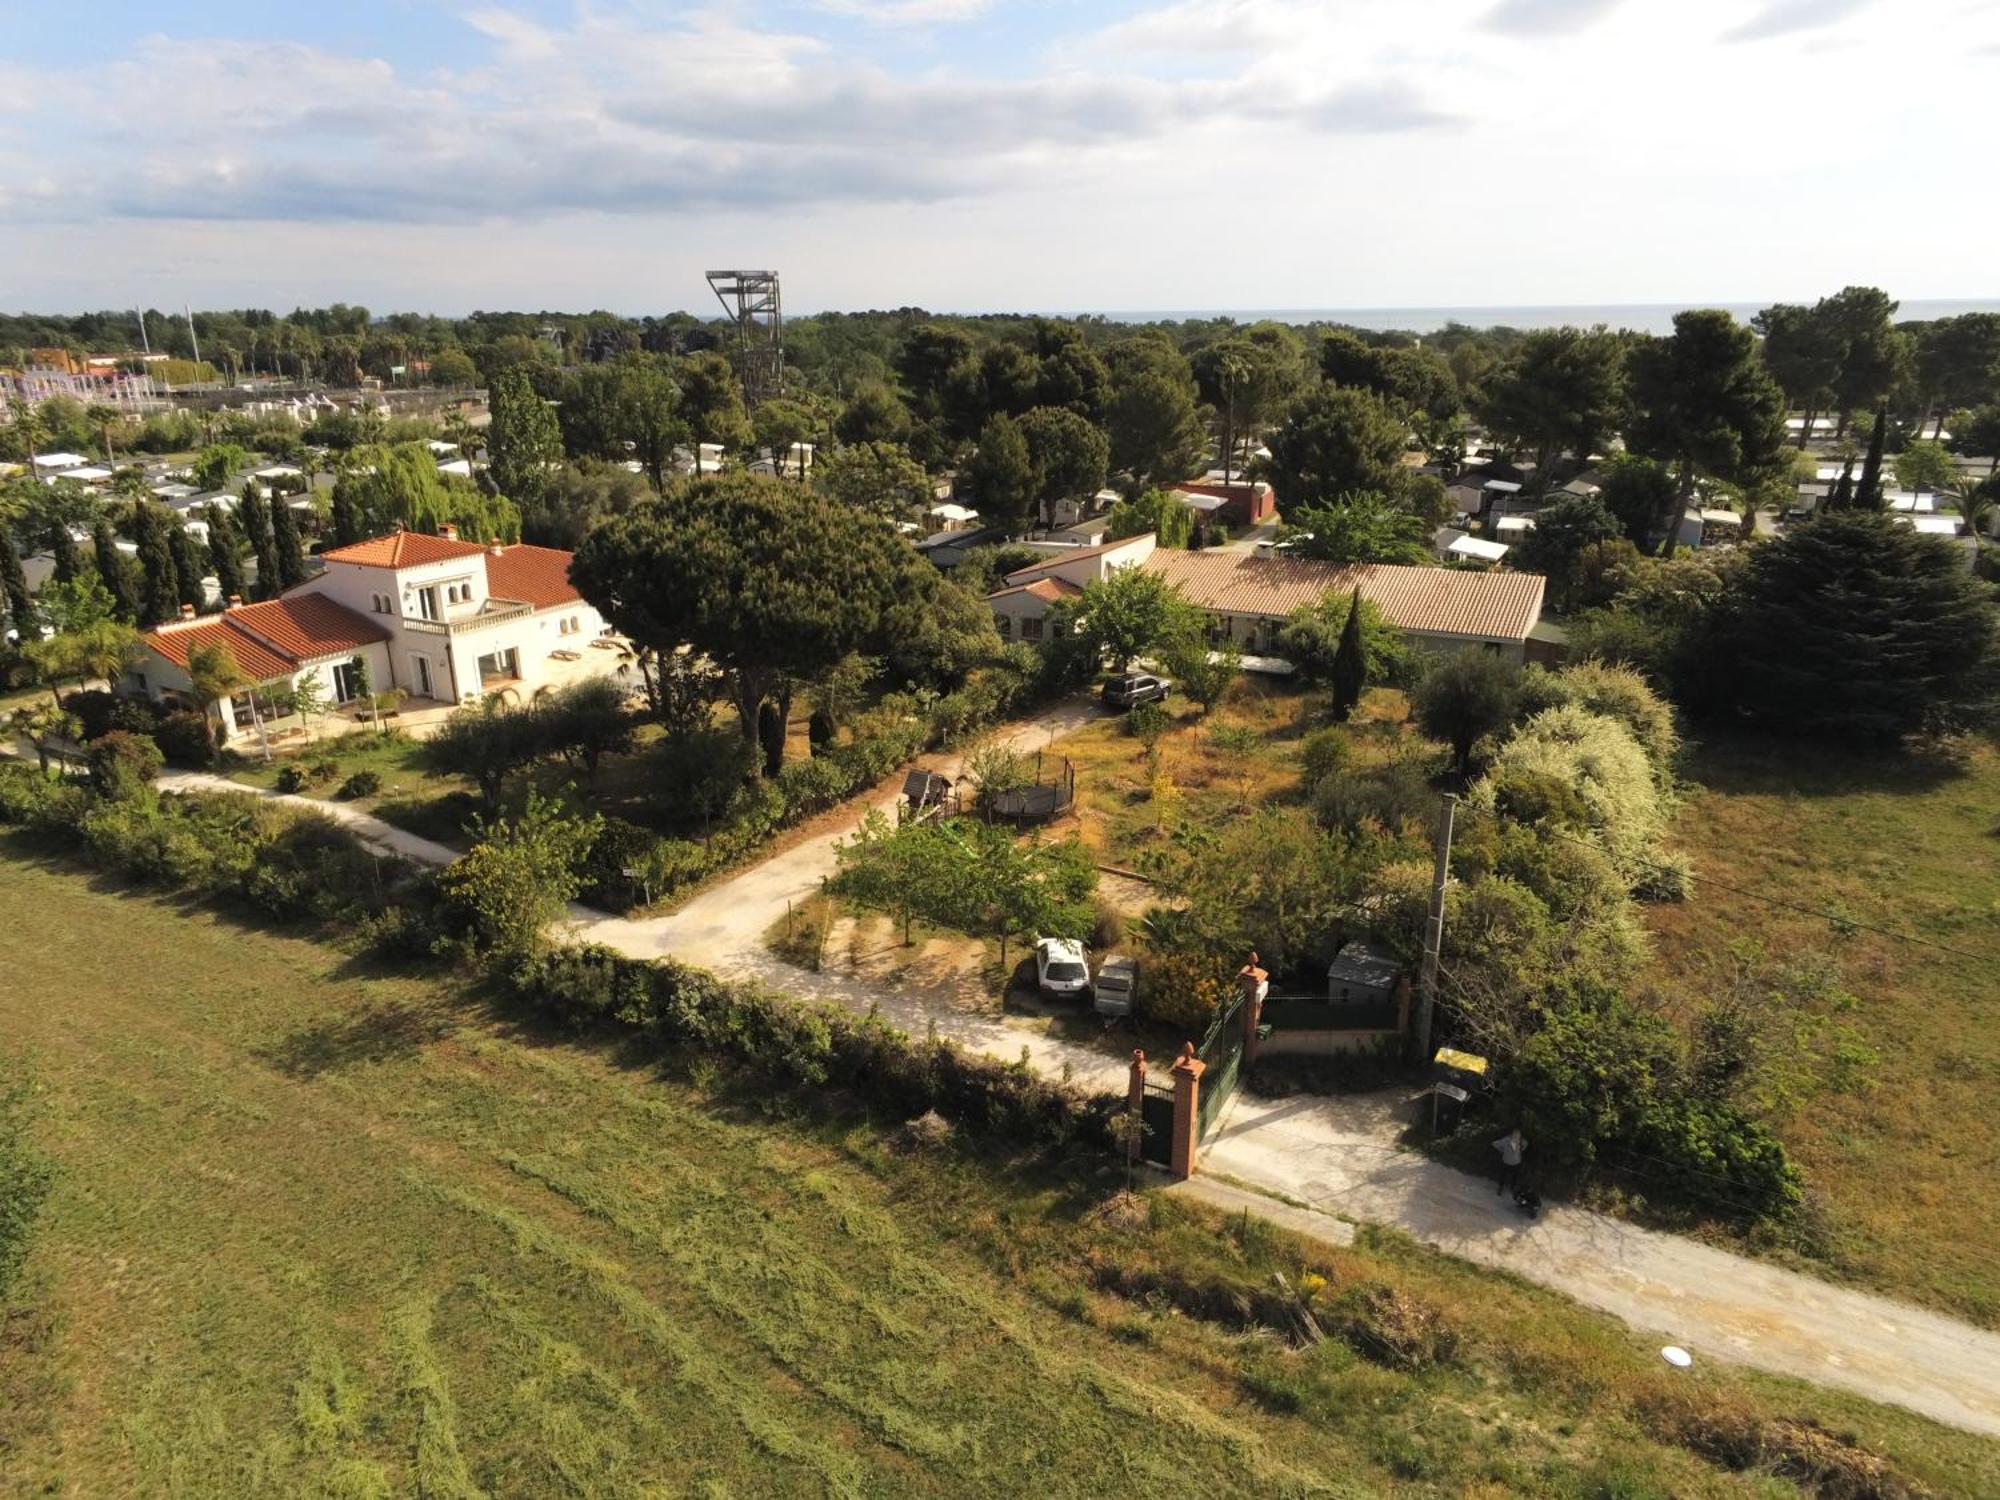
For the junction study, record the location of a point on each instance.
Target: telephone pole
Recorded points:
(1434, 929)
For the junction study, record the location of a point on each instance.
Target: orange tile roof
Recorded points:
(272, 639)
(403, 549)
(539, 575)
(306, 626)
(174, 642)
(1425, 601)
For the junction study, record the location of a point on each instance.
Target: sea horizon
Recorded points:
(1639, 317)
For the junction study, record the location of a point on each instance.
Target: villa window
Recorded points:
(1031, 628)
(1005, 625)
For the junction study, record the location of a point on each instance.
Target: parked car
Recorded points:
(1130, 689)
(1061, 971)
(1117, 978)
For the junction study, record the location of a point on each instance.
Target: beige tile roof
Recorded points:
(1424, 601)
(1048, 590)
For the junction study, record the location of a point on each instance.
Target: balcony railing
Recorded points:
(492, 613)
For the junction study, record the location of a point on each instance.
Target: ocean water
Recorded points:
(1640, 317)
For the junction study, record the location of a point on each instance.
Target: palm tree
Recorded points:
(29, 432)
(45, 724)
(1976, 500)
(214, 677)
(1232, 370)
(102, 417)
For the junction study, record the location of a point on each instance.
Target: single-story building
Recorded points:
(1022, 602)
(952, 517)
(1244, 502)
(1455, 546)
(1248, 598)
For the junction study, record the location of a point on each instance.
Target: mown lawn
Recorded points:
(323, 1230)
(1906, 1165)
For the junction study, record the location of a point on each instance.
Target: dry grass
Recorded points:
(1904, 1165)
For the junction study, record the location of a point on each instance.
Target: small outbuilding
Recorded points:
(1363, 974)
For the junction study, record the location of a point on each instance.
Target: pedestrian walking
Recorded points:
(1511, 1146)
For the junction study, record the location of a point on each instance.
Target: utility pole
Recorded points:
(1434, 929)
(189, 313)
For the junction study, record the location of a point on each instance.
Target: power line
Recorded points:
(1834, 918)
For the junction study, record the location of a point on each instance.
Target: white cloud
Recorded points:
(1788, 17)
(906, 12)
(1198, 153)
(1542, 18)
(606, 115)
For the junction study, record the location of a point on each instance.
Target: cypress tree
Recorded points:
(346, 517)
(115, 571)
(1350, 662)
(14, 586)
(160, 581)
(1868, 493)
(290, 548)
(62, 546)
(225, 552)
(257, 524)
(190, 564)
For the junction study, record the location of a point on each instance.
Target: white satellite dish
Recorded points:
(1676, 1356)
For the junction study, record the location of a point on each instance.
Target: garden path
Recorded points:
(1322, 1164)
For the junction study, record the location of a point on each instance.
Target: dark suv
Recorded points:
(1130, 689)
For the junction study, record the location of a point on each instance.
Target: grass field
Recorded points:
(322, 1230)
(1907, 1164)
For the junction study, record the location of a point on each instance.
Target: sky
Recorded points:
(1005, 155)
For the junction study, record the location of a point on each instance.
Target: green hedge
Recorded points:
(287, 862)
(790, 1044)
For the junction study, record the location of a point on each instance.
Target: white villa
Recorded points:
(445, 621)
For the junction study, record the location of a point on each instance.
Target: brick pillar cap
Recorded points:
(1187, 1062)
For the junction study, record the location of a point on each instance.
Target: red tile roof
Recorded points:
(539, 575)
(403, 549)
(174, 642)
(272, 639)
(306, 626)
(1425, 601)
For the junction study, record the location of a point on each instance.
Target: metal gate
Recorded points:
(1222, 1050)
(1156, 1115)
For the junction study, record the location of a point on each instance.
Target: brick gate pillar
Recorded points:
(1253, 983)
(1135, 1106)
(1187, 1071)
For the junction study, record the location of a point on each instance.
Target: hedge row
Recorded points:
(287, 862)
(294, 864)
(792, 1044)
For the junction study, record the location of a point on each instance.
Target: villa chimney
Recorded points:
(448, 531)
(187, 611)
(235, 601)
(496, 550)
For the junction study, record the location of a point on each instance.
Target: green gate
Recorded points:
(1222, 1051)
(1156, 1114)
